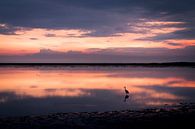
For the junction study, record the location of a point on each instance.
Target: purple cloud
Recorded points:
(110, 55)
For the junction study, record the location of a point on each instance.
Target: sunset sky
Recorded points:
(97, 31)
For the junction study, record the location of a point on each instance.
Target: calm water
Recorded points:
(43, 90)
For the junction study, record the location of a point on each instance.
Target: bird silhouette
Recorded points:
(126, 91)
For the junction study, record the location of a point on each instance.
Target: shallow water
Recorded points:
(44, 89)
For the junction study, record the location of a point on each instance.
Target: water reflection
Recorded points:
(35, 90)
(126, 97)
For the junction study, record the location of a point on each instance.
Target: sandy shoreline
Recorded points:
(182, 115)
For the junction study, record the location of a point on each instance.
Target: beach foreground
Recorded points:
(182, 115)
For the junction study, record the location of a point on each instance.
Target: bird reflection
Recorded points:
(126, 94)
(126, 97)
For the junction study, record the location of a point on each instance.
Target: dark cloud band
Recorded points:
(110, 55)
(102, 17)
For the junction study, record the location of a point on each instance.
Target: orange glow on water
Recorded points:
(72, 83)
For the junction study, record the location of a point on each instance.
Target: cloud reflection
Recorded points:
(92, 88)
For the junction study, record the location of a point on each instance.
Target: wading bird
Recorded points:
(126, 91)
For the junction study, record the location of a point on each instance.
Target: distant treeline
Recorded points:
(165, 64)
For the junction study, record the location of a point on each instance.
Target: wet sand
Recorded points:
(182, 116)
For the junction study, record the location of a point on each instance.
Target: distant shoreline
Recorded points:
(166, 64)
(182, 116)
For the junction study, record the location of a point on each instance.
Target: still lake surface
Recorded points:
(48, 89)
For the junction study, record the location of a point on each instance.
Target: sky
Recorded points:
(97, 31)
